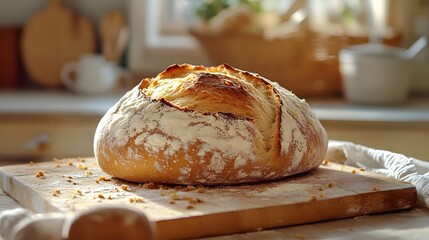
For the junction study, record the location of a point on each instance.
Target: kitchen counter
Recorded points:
(46, 124)
(61, 102)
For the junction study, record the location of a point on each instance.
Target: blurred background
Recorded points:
(63, 63)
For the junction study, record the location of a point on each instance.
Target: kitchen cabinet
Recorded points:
(41, 125)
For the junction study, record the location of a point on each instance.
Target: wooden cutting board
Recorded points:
(330, 192)
(52, 38)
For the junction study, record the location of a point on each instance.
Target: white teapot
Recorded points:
(91, 74)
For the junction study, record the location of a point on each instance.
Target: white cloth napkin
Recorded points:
(383, 162)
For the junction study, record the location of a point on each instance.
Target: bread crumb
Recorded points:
(150, 185)
(56, 193)
(80, 159)
(189, 207)
(100, 196)
(82, 166)
(116, 189)
(362, 169)
(69, 177)
(353, 171)
(74, 183)
(125, 187)
(375, 188)
(70, 164)
(131, 200)
(79, 192)
(88, 173)
(103, 178)
(330, 185)
(171, 191)
(174, 196)
(69, 180)
(139, 199)
(172, 202)
(320, 189)
(109, 197)
(40, 174)
(57, 166)
(192, 200)
(96, 181)
(325, 161)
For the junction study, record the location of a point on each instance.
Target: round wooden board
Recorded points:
(52, 38)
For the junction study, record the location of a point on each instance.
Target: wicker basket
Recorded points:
(305, 63)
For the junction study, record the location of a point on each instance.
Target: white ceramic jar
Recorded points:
(375, 74)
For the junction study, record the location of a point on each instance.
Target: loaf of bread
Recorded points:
(208, 125)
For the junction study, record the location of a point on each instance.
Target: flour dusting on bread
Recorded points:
(218, 125)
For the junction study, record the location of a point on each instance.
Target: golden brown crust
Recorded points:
(215, 125)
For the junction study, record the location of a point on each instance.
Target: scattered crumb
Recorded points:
(375, 188)
(88, 173)
(109, 197)
(57, 166)
(116, 189)
(69, 177)
(131, 200)
(80, 159)
(313, 198)
(100, 196)
(174, 196)
(192, 200)
(342, 167)
(362, 169)
(172, 202)
(70, 164)
(189, 207)
(125, 187)
(330, 185)
(79, 192)
(171, 190)
(353, 171)
(103, 178)
(322, 195)
(325, 161)
(40, 174)
(56, 193)
(150, 185)
(82, 166)
(69, 180)
(320, 189)
(74, 183)
(139, 199)
(96, 181)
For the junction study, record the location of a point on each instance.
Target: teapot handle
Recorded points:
(65, 74)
